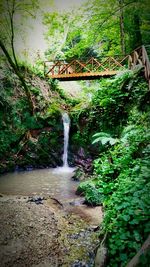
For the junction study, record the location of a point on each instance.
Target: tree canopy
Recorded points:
(99, 27)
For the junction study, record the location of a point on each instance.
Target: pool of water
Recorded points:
(46, 182)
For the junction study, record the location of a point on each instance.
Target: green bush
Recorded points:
(126, 217)
(92, 194)
(123, 181)
(122, 174)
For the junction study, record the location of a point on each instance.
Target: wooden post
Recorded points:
(143, 250)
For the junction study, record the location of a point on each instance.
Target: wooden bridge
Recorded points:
(94, 68)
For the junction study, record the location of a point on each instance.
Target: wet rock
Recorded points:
(101, 256)
(77, 202)
(31, 226)
(83, 161)
(74, 236)
(36, 199)
(29, 168)
(79, 264)
(81, 153)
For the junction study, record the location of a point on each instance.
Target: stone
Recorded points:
(101, 255)
(78, 263)
(36, 199)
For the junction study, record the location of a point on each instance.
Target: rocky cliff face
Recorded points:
(29, 141)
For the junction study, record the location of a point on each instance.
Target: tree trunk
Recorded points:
(11, 17)
(122, 33)
(21, 78)
(12, 41)
(137, 32)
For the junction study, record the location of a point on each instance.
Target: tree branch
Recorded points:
(111, 14)
(21, 78)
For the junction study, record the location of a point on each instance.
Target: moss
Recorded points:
(77, 240)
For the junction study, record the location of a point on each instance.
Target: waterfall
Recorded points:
(65, 168)
(66, 124)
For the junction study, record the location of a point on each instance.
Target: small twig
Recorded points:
(103, 240)
(57, 201)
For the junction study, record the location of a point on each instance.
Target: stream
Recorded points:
(43, 223)
(44, 182)
(50, 183)
(58, 231)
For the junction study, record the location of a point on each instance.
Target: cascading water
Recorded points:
(66, 124)
(65, 168)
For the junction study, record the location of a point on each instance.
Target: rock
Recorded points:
(94, 228)
(78, 263)
(83, 161)
(36, 199)
(100, 258)
(77, 202)
(29, 168)
(81, 153)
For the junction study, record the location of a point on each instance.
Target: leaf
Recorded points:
(123, 257)
(126, 218)
(104, 140)
(113, 141)
(101, 134)
(137, 235)
(96, 140)
(134, 221)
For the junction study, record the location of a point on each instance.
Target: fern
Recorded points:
(104, 138)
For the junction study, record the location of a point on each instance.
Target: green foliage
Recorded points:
(17, 145)
(126, 218)
(104, 138)
(80, 139)
(108, 111)
(53, 109)
(53, 84)
(123, 184)
(32, 70)
(103, 32)
(92, 194)
(121, 171)
(35, 90)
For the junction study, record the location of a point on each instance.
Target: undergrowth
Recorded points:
(121, 174)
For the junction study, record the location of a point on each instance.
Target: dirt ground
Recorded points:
(45, 234)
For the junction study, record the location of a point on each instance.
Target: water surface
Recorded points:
(52, 182)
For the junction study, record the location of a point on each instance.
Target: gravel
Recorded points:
(39, 233)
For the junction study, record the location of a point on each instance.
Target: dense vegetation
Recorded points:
(112, 27)
(120, 180)
(26, 140)
(110, 121)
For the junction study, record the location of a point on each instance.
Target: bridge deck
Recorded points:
(83, 76)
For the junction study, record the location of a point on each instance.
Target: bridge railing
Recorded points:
(140, 57)
(60, 68)
(92, 64)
